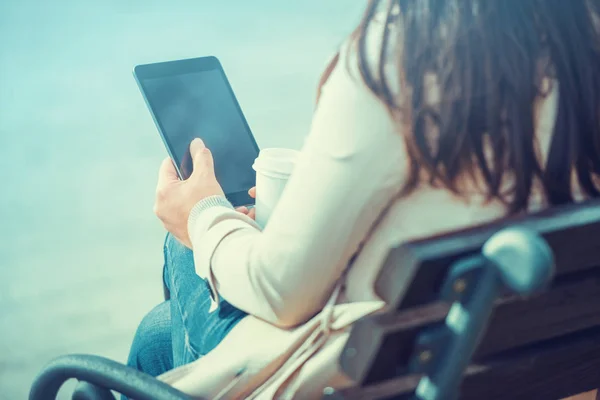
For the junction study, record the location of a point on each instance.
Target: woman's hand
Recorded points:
(244, 210)
(175, 198)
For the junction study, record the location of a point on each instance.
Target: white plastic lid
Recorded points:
(276, 162)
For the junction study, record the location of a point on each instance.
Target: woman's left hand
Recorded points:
(176, 198)
(250, 212)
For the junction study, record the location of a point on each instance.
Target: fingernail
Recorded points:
(199, 141)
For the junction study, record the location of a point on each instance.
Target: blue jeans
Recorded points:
(180, 330)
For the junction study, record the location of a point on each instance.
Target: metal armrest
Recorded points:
(103, 373)
(87, 391)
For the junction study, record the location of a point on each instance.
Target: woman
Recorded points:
(434, 115)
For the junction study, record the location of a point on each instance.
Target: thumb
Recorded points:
(201, 156)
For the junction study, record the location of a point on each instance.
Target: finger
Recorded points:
(243, 210)
(167, 173)
(201, 156)
(252, 192)
(252, 213)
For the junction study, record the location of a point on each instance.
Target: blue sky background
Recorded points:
(80, 251)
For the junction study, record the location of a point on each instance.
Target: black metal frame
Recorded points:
(101, 375)
(514, 260)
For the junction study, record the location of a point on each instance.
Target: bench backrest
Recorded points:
(544, 346)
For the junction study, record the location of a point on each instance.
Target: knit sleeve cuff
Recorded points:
(204, 204)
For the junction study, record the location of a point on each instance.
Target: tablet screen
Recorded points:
(201, 104)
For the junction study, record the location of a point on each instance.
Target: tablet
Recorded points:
(193, 98)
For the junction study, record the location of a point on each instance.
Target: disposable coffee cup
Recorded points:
(273, 168)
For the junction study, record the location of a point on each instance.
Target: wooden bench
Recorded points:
(442, 293)
(542, 346)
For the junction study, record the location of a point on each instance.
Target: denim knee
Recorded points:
(152, 351)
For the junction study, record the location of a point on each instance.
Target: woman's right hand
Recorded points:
(249, 212)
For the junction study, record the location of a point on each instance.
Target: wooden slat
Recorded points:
(550, 370)
(570, 306)
(413, 273)
(381, 345)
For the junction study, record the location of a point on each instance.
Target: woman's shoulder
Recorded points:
(354, 113)
(376, 55)
(351, 115)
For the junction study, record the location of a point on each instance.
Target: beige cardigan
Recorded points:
(352, 165)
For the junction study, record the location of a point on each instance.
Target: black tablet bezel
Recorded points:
(187, 66)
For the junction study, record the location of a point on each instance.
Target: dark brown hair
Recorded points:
(490, 59)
